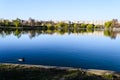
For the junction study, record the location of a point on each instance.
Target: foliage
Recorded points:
(108, 24)
(50, 26)
(90, 26)
(62, 25)
(75, 25)
(107, 33)
(18, 72)
(6, 22)
(83, 25)
(17, 22)
(17, 33)
(108, 76)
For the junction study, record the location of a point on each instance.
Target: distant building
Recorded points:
(115, 23)
(95, 22)
(31, 22)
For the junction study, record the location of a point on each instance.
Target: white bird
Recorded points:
(21, 59)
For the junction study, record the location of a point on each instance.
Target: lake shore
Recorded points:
(39, 72)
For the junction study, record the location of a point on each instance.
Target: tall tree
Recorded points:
(108, 24)
(17, 22)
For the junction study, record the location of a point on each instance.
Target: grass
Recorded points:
(22, 72)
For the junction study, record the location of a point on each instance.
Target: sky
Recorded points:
(60, 9)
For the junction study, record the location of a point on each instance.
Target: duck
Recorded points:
(21, 60)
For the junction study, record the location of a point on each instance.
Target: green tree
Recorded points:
(16, 22)
(0, 22)
(6, 22)
(83, 25)
(108, 24)
(90, 26)
(98, 26)
(50, 26)
(75, 25)
(62, 25)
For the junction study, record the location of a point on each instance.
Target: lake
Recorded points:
(89, 50)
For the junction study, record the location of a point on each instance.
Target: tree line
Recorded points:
(31, 23)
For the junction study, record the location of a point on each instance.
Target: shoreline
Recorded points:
(9, 71)
(98, 72)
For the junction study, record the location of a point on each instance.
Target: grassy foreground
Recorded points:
(30, 72)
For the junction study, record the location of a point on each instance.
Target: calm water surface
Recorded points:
(84, 50)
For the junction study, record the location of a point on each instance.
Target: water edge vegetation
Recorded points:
(32, 72)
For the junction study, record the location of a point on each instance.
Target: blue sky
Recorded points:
(60, 9)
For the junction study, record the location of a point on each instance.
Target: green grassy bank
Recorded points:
(31, 72)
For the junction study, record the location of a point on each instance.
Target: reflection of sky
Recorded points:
(86, 51)
(97, 42)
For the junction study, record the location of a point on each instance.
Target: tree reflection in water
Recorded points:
(36, 32)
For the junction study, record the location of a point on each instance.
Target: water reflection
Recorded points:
(34, 33)
(80, 48)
